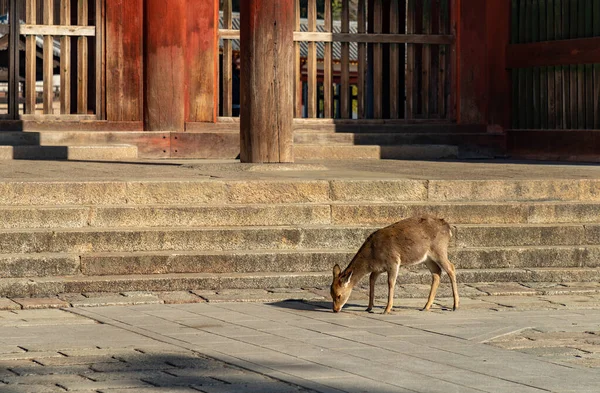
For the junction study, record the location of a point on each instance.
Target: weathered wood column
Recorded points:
(164, 65)
(267, 72)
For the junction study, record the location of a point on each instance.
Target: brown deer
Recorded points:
(407, 242)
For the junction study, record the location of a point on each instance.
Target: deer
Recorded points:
(408, 242)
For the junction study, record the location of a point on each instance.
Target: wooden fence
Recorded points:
(379, 59)
(555, 64)
(66, 35)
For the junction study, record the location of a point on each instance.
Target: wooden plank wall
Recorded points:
(555, 64)
(393, 59)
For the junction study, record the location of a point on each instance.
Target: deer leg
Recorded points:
(448, 267)
(392, 275)
(436, 271)
(372, 280)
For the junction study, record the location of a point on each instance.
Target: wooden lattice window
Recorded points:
(67, 36)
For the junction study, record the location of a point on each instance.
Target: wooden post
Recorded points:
(164, 65)
(202, 60)
(498, 38)
(267, 75)
(124, 65)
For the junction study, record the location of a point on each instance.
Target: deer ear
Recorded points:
(345, 279)
(336, 271)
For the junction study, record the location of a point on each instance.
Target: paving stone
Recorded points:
(79, 369)
(75, 360)
(251, 295)
(505, 289)
(36, 303)
(179, 297)
(25, 355)
(34, 388)
(521, 303)
(7, 304)
(97, 385)
(575, 301)
(114, 300)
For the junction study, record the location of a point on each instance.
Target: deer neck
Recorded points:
(359, 269)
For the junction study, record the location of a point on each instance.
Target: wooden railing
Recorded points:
(75, 29)
(376, 59)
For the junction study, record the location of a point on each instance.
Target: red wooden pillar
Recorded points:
(164, 65)
(472, 67)
(124, 55)
(267, 80)
(498, 38)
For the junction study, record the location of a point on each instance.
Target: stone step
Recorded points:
(96, 263)
(51, 286)
(395, 138)
(339, 214)
(78, 153)
(355, 152)
(83, 240)
(231, 191)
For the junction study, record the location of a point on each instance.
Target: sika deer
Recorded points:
(407, 242)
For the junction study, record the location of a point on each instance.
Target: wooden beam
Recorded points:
(375, 38)
(267, 59)
(554, 53)
(227, 67)
(64, 30)
(124, 65)
(312, 61)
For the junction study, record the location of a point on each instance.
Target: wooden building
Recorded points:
(161, 74)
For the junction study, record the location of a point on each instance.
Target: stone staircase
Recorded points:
(77, 237)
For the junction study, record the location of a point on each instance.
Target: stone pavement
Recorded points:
(537, 343)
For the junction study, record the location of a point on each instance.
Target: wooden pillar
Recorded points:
(124, 60)
(267, 72)
(164, 65)
(472, 72)
(498, 38)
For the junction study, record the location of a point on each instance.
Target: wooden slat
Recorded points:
(522, 72)
(362, 61)
(588, 68)
(227, 73)
(345, 63)
(327, 65)
(312, 61)
(543, 73)
(573, 33)
(30, 60)
(297, 65)
(596, 72)
(375, 38)
(83, 31)
(48, 58)
(426, 60)
(443, 49)
(535, 73)
(65, 59)
(580, 67)
(394, 62)
(377, 62)
(551, 71)
(100, 60)
(558, 71)
(82, 60)
(410, 61)
(13, 66)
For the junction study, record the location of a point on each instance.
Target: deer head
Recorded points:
(340, 287)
